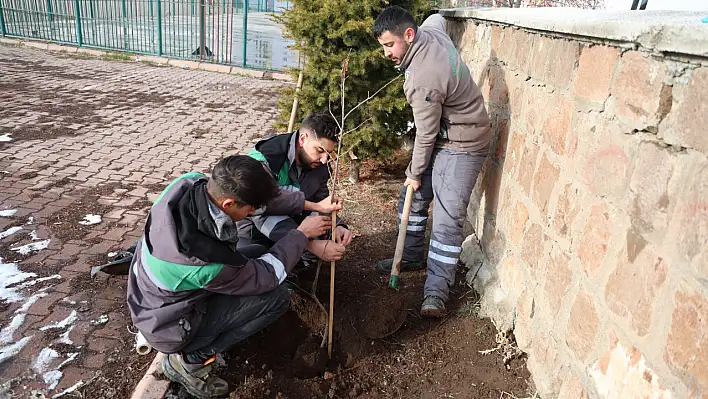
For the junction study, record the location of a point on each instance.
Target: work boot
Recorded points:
(434, 307)
(384, 266)
(194, 377)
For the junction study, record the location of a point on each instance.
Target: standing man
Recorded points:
(299, 162)
(452, 138)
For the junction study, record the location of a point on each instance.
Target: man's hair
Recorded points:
(243, 179)
(323, 125)
(395, 20)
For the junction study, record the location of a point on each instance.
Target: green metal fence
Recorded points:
(234, 32)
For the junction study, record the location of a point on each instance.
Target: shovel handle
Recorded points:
(402, 228)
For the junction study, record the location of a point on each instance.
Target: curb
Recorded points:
(150, 387)
(173, 62)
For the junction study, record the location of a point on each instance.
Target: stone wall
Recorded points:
(592, 211)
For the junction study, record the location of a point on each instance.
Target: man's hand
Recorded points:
(315, 226)
(326, 250)
(344, 236)
(327, 205)
(414, 183)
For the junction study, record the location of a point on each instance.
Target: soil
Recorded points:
(65, 223)
(383, 314)
(424, 359)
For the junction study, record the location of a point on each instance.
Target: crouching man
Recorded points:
(190, 292)
(299, 162)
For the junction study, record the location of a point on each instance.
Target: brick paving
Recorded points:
(91, 136)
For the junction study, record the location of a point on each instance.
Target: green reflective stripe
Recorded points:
(190, 175)
(177, 277)
(283, 175)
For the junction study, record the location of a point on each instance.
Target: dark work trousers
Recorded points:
(447, 182)
(231, 319)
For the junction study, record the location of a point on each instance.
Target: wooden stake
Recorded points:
(331, 290)
(296, 101)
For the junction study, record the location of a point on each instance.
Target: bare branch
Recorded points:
(351, 130)
(371, 96)
(334, 117)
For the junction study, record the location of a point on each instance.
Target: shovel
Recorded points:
(391, 306)
(398, 255)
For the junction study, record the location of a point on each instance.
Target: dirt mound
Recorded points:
(310, 359)
(383, 314)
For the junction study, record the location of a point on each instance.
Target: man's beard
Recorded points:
(304, 160)
(405, 52)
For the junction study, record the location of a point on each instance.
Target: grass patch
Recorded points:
(118, 56)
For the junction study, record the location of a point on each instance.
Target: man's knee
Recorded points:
(280, 299)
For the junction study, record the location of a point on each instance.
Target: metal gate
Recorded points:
(233, 32)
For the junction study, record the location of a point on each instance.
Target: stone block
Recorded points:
(524, 318)
(624, 373)
(572, 387)
(633, 286)
(637, 88)
(512, 279)
(688, 223)
(34, 44)
(184, 64)
(545, 365)
(583, 326)
(686, 124)
(595, 71)
(558, 278)
(517, 222)
(649, 191)
(206, 66)
(512, 158)
(556, 124)
(539, 57)
(603, 155)
(569, 204)
(532, 249)
(544, 181)
(595, 239)
(686, 347)
(562, 57)
(527, 167)
(92, 52)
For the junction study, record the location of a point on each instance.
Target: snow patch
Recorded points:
(91, 219)
(52, 378)
(69, 320)
(9, 331)
(38, 280)
(41, 365)
(69, 390)
(32, 247)
(103, 319)
(30, 220)
(64, 338)
(34, 236)
(12, 350)
(5, 137)
(10, 275)
(9, 232)
(44, 360)
(8, 212)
